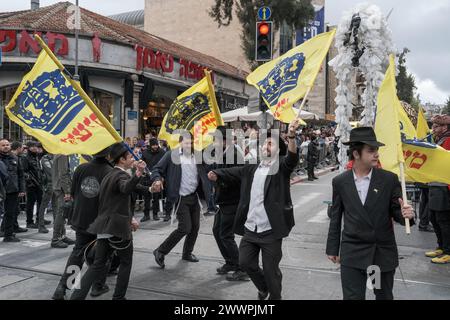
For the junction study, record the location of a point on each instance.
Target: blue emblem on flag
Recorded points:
(48, 103)
(282, 78)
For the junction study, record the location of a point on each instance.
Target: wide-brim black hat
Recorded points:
(364, 135)
(103, 153)
(117, 150)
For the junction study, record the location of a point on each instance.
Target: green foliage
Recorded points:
(296, 13)
(446, 109)
(406, 83)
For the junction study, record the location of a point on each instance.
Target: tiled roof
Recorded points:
(54, 18)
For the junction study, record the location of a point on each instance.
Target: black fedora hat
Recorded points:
(117, 150)
(364, 135)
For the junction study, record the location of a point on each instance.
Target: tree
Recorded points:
(446, 109)
(296, 13)
(406, 84)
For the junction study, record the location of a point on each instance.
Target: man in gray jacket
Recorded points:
(46, 164)
(61, 193)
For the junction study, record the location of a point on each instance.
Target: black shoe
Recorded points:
(95, 292)
(60, 293)
(166, 218)
(32, 226)
(263, 295)
(315, 178)
(310, 179)
(11, 239)
(145, 218)
(68, 241)
(238, 276)
(20, 230)
(190, 258)
(226, 268)
(59, 244)
(426, 228)
(155, 217)
(43, 230)
(159, 258)
(209, 213)
(47, 222)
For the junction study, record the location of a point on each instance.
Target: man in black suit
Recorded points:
(265, 214)
(368, 199)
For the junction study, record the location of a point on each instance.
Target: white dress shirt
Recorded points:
(362, 185)
(257, 218)
(189, 176)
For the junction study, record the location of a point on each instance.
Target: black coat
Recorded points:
(227, 193)
(313, 152)
(277, 194)
(86, 183)
(16, 183)
(114, 209)
(368, 236)
(152, 158)
(171, 172)
(32, 171)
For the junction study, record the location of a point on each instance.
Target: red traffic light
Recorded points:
(264, 29)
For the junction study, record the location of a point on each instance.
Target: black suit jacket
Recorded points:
(368, 235)
(277, 195)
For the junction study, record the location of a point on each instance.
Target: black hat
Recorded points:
(117, 150)
(103, 153)
(364, 135)
(153, 142)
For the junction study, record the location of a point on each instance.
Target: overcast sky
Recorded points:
(422, 26)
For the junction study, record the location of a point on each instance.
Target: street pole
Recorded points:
(77, 25)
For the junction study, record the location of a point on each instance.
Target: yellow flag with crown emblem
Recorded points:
(196, 111)
(286, 79)
(54, 109)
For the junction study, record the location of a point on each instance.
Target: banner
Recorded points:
(285, 80)
(196, 111)
(54, 109)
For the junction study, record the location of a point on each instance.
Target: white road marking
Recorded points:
(320, 217)
(304, 199)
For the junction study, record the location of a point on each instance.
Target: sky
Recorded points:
(421, 26)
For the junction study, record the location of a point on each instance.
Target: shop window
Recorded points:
(110, 105)
(155, 112)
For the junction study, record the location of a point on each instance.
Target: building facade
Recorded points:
(131, 75)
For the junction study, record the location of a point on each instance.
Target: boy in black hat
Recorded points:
(86, 182)
(367, 198)
(114, 223)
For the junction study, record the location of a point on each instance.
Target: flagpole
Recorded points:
(405, 198)
(303, 102)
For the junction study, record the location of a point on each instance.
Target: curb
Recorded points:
(322, 172)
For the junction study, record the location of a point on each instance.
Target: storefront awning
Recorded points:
(242, 114)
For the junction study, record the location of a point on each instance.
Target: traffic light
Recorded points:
(263, 46)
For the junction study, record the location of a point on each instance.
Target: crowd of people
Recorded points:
(249, 198)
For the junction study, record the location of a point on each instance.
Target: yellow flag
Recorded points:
(422, 126)
(196, 111)
(54, 109)
(423, 162)
(285, 80)
(387, 124)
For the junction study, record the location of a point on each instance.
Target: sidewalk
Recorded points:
(320, 172)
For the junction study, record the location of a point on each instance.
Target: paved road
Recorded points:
(30, 269)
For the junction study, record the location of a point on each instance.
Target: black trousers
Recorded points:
(155, 204)
(441, 225)
(354, 284)
(224, 235)
(310, 169)
(11, 204)
(188, 215)
(269, 279)
(99, 269)
(77, 257)
(424, 214)
(33, 195)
